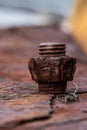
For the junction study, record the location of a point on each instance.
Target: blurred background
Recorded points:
(29, 12)
(24, 24)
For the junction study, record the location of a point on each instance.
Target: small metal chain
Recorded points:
(70, 97)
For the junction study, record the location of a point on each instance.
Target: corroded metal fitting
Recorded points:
(53, 68)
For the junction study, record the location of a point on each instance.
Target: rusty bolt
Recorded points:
(53, 68)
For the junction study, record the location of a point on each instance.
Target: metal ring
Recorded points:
(76, 87)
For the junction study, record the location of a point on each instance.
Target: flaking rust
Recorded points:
(53, 68)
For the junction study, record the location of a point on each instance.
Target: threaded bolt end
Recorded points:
(47, 49)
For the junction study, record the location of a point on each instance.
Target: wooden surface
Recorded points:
(22, 107)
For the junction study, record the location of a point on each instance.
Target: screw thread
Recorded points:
(48, 49)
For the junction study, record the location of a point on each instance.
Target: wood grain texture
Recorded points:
(20, 102)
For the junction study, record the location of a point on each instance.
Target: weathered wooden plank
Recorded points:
(72, 116)
(21, 105)
(21, 102)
